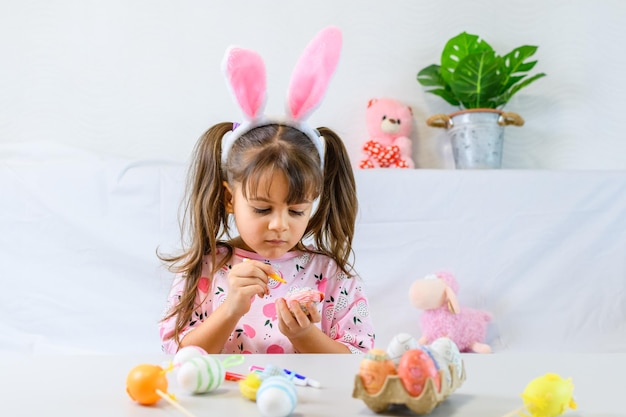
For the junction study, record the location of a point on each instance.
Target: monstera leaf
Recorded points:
(477, 79)
(472, 75)
(457, 49)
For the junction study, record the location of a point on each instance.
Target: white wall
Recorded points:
(141, 78)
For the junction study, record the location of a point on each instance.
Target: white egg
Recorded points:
(276, 397)
(200, 374)
(399, 344)
(186, 353)
(449, 351)
(440, 363)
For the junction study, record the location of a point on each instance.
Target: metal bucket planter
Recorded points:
(476, 135)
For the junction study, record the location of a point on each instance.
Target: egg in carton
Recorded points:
(421, 380)
(393, 392)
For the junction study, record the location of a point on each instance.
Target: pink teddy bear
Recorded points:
(389, 125)
(443, 317)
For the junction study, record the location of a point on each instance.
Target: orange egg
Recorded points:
(374, 370)
(414, 369)
(143, 381)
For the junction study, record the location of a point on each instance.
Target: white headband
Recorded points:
(245, 72)
(229, 138)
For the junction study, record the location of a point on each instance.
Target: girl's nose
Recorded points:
(279, 221)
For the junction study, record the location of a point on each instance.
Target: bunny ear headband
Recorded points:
(245, 72)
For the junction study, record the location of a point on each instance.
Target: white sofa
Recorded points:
(543, 251)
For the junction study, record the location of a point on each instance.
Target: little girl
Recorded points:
(283, 183)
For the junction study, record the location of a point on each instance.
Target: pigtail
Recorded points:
(333, 224)
(204, 221)
(205, 214)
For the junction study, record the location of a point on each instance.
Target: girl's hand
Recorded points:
(293, 322)
(245, 280)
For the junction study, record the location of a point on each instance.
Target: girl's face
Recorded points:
(266, 223)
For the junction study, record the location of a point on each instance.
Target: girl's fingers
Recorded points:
(314, 315)
(249, 286)
(286, 315)
(299, 314)
(247, 274)
(259, 269)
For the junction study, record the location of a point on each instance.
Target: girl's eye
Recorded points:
(297, 213)
(261, 211)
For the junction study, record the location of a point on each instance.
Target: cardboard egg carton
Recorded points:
(393, 392)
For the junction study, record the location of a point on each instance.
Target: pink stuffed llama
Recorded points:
(443, 317)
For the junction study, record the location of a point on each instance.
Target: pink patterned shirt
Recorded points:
(344, 310)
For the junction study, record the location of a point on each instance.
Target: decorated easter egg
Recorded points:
(549, 395)
(414, 369)
(143, 381)
(399, 344)
(276, 397)
(449, 351)
(374, 369)
(250, 385)
(200, 374)
(304, 296)
(186, 353)
(440, 363)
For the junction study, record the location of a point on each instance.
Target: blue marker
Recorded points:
(298, 379)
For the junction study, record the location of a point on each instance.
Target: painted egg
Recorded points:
(186, 353)
(304, 296)
(201, 374)
(143, 381)
(276, 397)
(440, 363)
(449, 351)
(374, 369)
(549, 395)
(400, 344)
(414, 369)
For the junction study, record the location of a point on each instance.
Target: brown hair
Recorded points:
(264, 149)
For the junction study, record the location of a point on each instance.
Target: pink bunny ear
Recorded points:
(313, 72)
(245, 72)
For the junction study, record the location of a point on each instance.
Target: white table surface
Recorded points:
(95, 386)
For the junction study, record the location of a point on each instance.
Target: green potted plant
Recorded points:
(474, 78)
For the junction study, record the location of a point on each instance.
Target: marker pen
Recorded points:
(310, 382)
(297, 378)
(232, 376)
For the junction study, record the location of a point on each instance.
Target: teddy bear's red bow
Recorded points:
(385, 156)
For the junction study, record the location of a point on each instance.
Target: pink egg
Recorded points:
(414, 369)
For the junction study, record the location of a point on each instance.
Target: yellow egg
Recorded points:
(374, 370)
(249, 386)
(548, 396)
